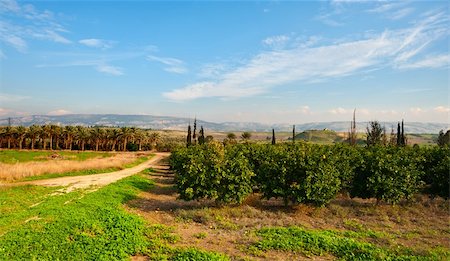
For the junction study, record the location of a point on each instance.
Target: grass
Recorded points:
(19, 156)
(84, 226)
(316, 242)
(57, 168)
(92, 226)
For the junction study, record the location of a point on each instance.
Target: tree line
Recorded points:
(54, 137)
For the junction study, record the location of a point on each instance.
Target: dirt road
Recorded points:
(97, 180)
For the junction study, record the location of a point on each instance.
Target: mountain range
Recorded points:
(177, 123)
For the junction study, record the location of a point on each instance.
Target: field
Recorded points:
(31, 165)
(141, 217)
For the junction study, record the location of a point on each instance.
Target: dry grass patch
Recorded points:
(17, 171)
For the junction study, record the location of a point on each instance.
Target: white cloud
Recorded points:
(212, 70)
(436, 61)
(442, 109)
(59, 112)
(340, 111)
(34, 24)
(108, 69)
(98, 43)
(399, 14)
(172, 64)
(304, 110)
(277, 41)
(416, 110)
(390, 49)
(4, 97)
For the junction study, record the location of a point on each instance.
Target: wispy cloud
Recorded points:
(99, 65)
(442, 109)
(4, 97)
(277, 41)
(436, 61)
(311, 64)
(108, 69)
(97, 43)
(59, 112)
(35, 24)
(172, 64)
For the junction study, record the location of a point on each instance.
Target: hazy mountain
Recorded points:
(176, 123)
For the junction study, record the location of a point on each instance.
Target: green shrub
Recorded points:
(387, 173)
(437, 170)
(212, 171)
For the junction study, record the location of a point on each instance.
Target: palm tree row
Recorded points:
(54, 137)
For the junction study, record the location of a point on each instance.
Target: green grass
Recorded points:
(94, 227)
(17, 156)
(84, 226)
(85, 172)
(341, 245)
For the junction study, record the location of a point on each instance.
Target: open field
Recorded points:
(141, 217)
(30, 165)
(20, 156)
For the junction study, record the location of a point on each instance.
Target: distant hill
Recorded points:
(177, 123)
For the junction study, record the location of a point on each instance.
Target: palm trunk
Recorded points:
(82, 145)
(125, 144)
(140, 145)
(44, 145)
(20, 144)
(9, 143)
(96, 145)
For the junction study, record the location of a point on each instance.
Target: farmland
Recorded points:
(151, 215)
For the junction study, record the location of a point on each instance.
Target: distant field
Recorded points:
(313, 136)
(16, 156)
(31, 165)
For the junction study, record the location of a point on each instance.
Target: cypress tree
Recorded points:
(189, 139)
(399, 140)
(194, 135)
(201, 138)
(273, 137)
(293, 133)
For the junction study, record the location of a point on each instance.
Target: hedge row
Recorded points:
(309, 173)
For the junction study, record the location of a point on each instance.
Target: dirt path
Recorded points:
(97, 180)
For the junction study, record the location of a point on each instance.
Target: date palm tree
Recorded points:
(126, 134)
(97, 135)
(33, 134)
(20, 133)
(69, 134)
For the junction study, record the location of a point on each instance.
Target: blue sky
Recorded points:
(259, 61)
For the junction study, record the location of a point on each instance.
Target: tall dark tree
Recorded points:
(189, 137)
(352, 132)
(194, 135)
(293, 133)
(201, 138)
(403, 137)
(374, 134)
(273, 137)
(399, 135)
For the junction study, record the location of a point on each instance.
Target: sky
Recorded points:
(249, 61)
